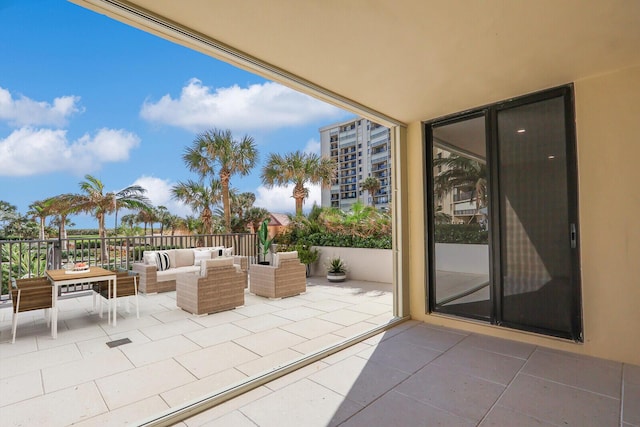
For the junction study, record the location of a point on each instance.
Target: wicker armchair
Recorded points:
(219, 286)
(30, 294)
(127, 286)
(287, 277)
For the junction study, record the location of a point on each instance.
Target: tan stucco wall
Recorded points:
(608, 141)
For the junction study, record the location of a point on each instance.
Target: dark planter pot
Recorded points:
(264, 263)
(336, 277)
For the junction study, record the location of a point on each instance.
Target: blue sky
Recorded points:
(82, 94)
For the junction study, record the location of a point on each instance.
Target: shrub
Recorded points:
(460, 233)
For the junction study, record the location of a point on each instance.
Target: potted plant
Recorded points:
(265, 241)
(336, 270)
(307, 256)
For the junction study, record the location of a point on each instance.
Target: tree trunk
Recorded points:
(103, 241)
(224, 180)
(42, 220)
(299, 195)
(63, 233)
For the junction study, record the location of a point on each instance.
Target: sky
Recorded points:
(82, 94)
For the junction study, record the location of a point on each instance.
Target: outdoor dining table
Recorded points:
(69, 277)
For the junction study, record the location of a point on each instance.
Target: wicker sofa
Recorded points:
(285, 278)
(218, 286)
(153, 279)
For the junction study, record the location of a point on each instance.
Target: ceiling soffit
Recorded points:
(406, 60)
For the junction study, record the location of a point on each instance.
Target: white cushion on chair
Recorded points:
(215, 262)
(281, 256)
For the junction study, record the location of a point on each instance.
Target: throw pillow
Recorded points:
(200, 255)
(163, 261)
(150, 258)
(228, 251)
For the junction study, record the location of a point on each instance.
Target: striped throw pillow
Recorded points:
(163, 261)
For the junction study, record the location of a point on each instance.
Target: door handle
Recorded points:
(574, 236)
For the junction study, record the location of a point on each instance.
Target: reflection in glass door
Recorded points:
(503, 207)
(461, 219)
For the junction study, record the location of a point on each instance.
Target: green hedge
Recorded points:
(342, 240)
(460, 233)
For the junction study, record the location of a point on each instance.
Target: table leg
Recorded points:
(115, 301)
(54, 311)
(108, 302)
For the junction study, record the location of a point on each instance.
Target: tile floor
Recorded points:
(411, 375)
(420, 375)
(173, 356)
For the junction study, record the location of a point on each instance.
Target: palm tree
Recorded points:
(217, 148)
(124, 198)
(130, 220)
(40, 210)
(255, 216)
(298, 168)
(200, 198)
(146, 216)
(162, 215)
(240, 203)
(463, 173)
(94, 200)
(61, 206)
(371, 185)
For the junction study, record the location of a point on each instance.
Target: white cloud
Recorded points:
(312, 147)
(159, 192)
(24, 111)
(28, 151)
(280, 200)
(265, 106)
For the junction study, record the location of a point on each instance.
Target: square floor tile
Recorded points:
(79, 403)
(603, 376)
(480, 363)
(217, 358)
(433, 337)
(359, 380)
(311, 328)
(560, 404)
(154, 351)
(453, 391)
(395, 409)
(217, 334)
(303, 403)
(500, 416)
(269, 341)
(262, 322)
(20, 387)
(408, 358)
(136, 384)
(498, 345)
(631, 404)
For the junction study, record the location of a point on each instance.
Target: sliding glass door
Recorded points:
(503, 215)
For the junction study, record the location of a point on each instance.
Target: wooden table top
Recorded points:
(59, 275)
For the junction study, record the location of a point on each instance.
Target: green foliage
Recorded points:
(336, 265)
(362, 227)
(460, 233)
(263, 236)
(93, 232)
(306, 254)
(21, 261)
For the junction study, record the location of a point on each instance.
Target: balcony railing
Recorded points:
(30, 258)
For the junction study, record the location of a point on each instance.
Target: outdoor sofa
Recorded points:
(159, 270)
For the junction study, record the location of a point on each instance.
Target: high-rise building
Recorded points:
(361, 149)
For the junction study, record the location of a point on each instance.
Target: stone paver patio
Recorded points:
(173, 356)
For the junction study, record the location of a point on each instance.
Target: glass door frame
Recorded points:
(490, 113)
